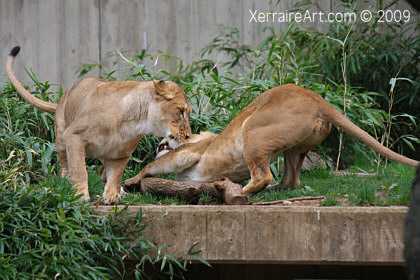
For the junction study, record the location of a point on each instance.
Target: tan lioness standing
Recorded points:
(106, 120)
(286, 120)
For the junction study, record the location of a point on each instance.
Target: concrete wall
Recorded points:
(57, 36)
(279, 235)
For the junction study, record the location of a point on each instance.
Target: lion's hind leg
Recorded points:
(275, 138)
(293, 161)
(62, 156)
(294, 156)
(75, 154)
(60, 143)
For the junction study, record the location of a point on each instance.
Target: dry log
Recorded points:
(224, 189)
(302, 198)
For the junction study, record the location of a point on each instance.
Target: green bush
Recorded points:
(47, 232)
(26, 136)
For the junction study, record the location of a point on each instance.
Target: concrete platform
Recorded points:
(280, 235)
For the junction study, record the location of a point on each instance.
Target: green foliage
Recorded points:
(329, 201)
(228, 41)
(47, 232)
(26, 136)
(365, 195)
(205, 199)
(139, 198)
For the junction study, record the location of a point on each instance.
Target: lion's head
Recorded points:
(164, 145)
(172, 112)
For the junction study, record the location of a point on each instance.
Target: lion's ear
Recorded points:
(162, 89)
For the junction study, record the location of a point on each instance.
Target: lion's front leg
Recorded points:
(113, 171)
(134, 181)
(173, 162)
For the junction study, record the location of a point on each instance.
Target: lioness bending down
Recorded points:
(106, 120)
(286, 120)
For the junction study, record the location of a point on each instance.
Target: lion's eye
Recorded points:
(181, 111)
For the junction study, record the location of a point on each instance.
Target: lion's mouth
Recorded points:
(164, 147)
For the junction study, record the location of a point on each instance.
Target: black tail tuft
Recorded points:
(14, 52)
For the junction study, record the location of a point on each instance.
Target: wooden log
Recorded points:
(232, 192)
(224, 189)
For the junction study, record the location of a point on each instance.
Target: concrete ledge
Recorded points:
(280, 235)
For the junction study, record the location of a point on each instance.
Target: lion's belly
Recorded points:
(202, 173)
(112, 147)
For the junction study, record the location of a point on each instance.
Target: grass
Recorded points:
(392, 187)
(352, 189)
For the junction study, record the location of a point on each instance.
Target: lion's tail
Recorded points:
(338, 119)
(38, 103)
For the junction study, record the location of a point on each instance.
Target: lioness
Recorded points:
(106, 120)
(286, 120)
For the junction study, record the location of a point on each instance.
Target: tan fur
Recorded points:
(106, 120)
(286, 120)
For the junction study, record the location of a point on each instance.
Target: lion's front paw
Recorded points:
(111, 198)
(132, 184)
(247, 190)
